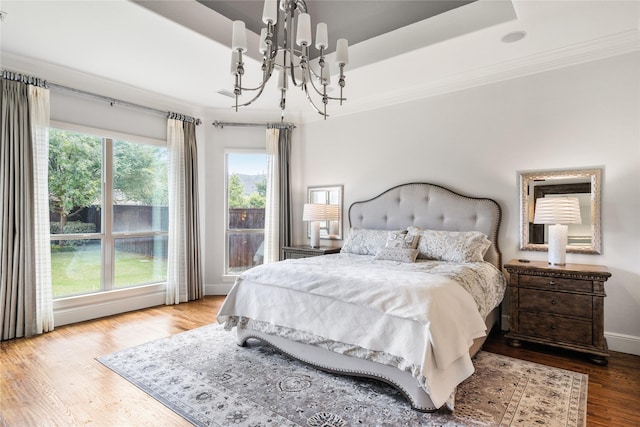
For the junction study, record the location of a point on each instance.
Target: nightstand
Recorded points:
(560, 306)
(306, 251)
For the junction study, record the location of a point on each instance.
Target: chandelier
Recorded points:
(284, 19)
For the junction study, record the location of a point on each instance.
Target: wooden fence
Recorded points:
(245, 248)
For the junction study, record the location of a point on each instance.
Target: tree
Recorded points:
(236, 190)
(140, 174)
(75, 172)
(258, 198)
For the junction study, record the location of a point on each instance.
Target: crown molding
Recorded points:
(602, 48)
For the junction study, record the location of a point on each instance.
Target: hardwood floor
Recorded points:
(54, 379)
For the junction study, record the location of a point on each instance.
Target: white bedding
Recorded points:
(413, 312)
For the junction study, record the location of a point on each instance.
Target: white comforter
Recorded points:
(426, 320)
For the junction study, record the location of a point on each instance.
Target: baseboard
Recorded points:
(93, 306)
(623, 343)
(218, 288)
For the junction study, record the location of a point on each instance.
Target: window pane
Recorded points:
(140, 260)
(75, 183)
(140, 187)
(75, 266)
(245, 251)
(246, 195)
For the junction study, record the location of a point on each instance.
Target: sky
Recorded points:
(247, 163)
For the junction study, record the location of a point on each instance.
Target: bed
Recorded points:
(409, 299)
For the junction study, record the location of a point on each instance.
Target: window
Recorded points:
(108, 210)
(246, 194)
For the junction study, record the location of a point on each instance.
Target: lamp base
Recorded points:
(558, 244)
(315, 234)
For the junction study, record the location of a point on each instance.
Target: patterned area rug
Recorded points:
(210, 381)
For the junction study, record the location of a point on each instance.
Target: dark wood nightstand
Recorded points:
(306, 251)
(561, 306)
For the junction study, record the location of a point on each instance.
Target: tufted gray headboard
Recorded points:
(433, 207)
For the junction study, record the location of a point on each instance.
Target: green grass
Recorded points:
(79, 272)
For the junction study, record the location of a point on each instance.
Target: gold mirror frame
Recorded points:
(330, 195)
(529, 180)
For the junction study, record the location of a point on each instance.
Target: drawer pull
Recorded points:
(553, 327)
(553, 302)
(552, 283)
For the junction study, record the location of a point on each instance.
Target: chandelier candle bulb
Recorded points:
(322, 36)
(270, 12)
(239, 37)
(303, 36)
(342, 52)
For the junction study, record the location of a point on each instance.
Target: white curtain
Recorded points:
(39, 116)
(26, 306)
(272, 204)
(176, 255)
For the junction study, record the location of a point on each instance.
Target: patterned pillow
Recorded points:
(402, 240)
(452, 246)
(363, 241)
(397, 254)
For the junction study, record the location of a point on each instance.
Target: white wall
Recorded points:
(476, 141)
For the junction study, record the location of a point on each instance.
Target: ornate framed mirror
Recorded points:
(330, 195)
(585, 185)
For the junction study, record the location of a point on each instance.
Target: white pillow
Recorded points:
(402, 240)
(363, 241)
(451, 246)
(397, 254)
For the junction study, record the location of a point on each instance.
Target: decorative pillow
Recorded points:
(363, 241)
(402, 240)
(452, 246)
(397, 254)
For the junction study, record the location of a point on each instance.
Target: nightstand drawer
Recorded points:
(556, 303)
(556, 283)
(557, 328)
(306, 251)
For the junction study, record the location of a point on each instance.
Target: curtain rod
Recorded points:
(221, 125)
(10, 75)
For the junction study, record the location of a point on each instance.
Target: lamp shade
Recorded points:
(557, 210)
(320, 212)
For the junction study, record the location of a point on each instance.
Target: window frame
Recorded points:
(226, 275)
(106, 236)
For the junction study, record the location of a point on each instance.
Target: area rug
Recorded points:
(210, 381)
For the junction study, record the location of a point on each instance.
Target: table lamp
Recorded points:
(557, 211)
(316, 212)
